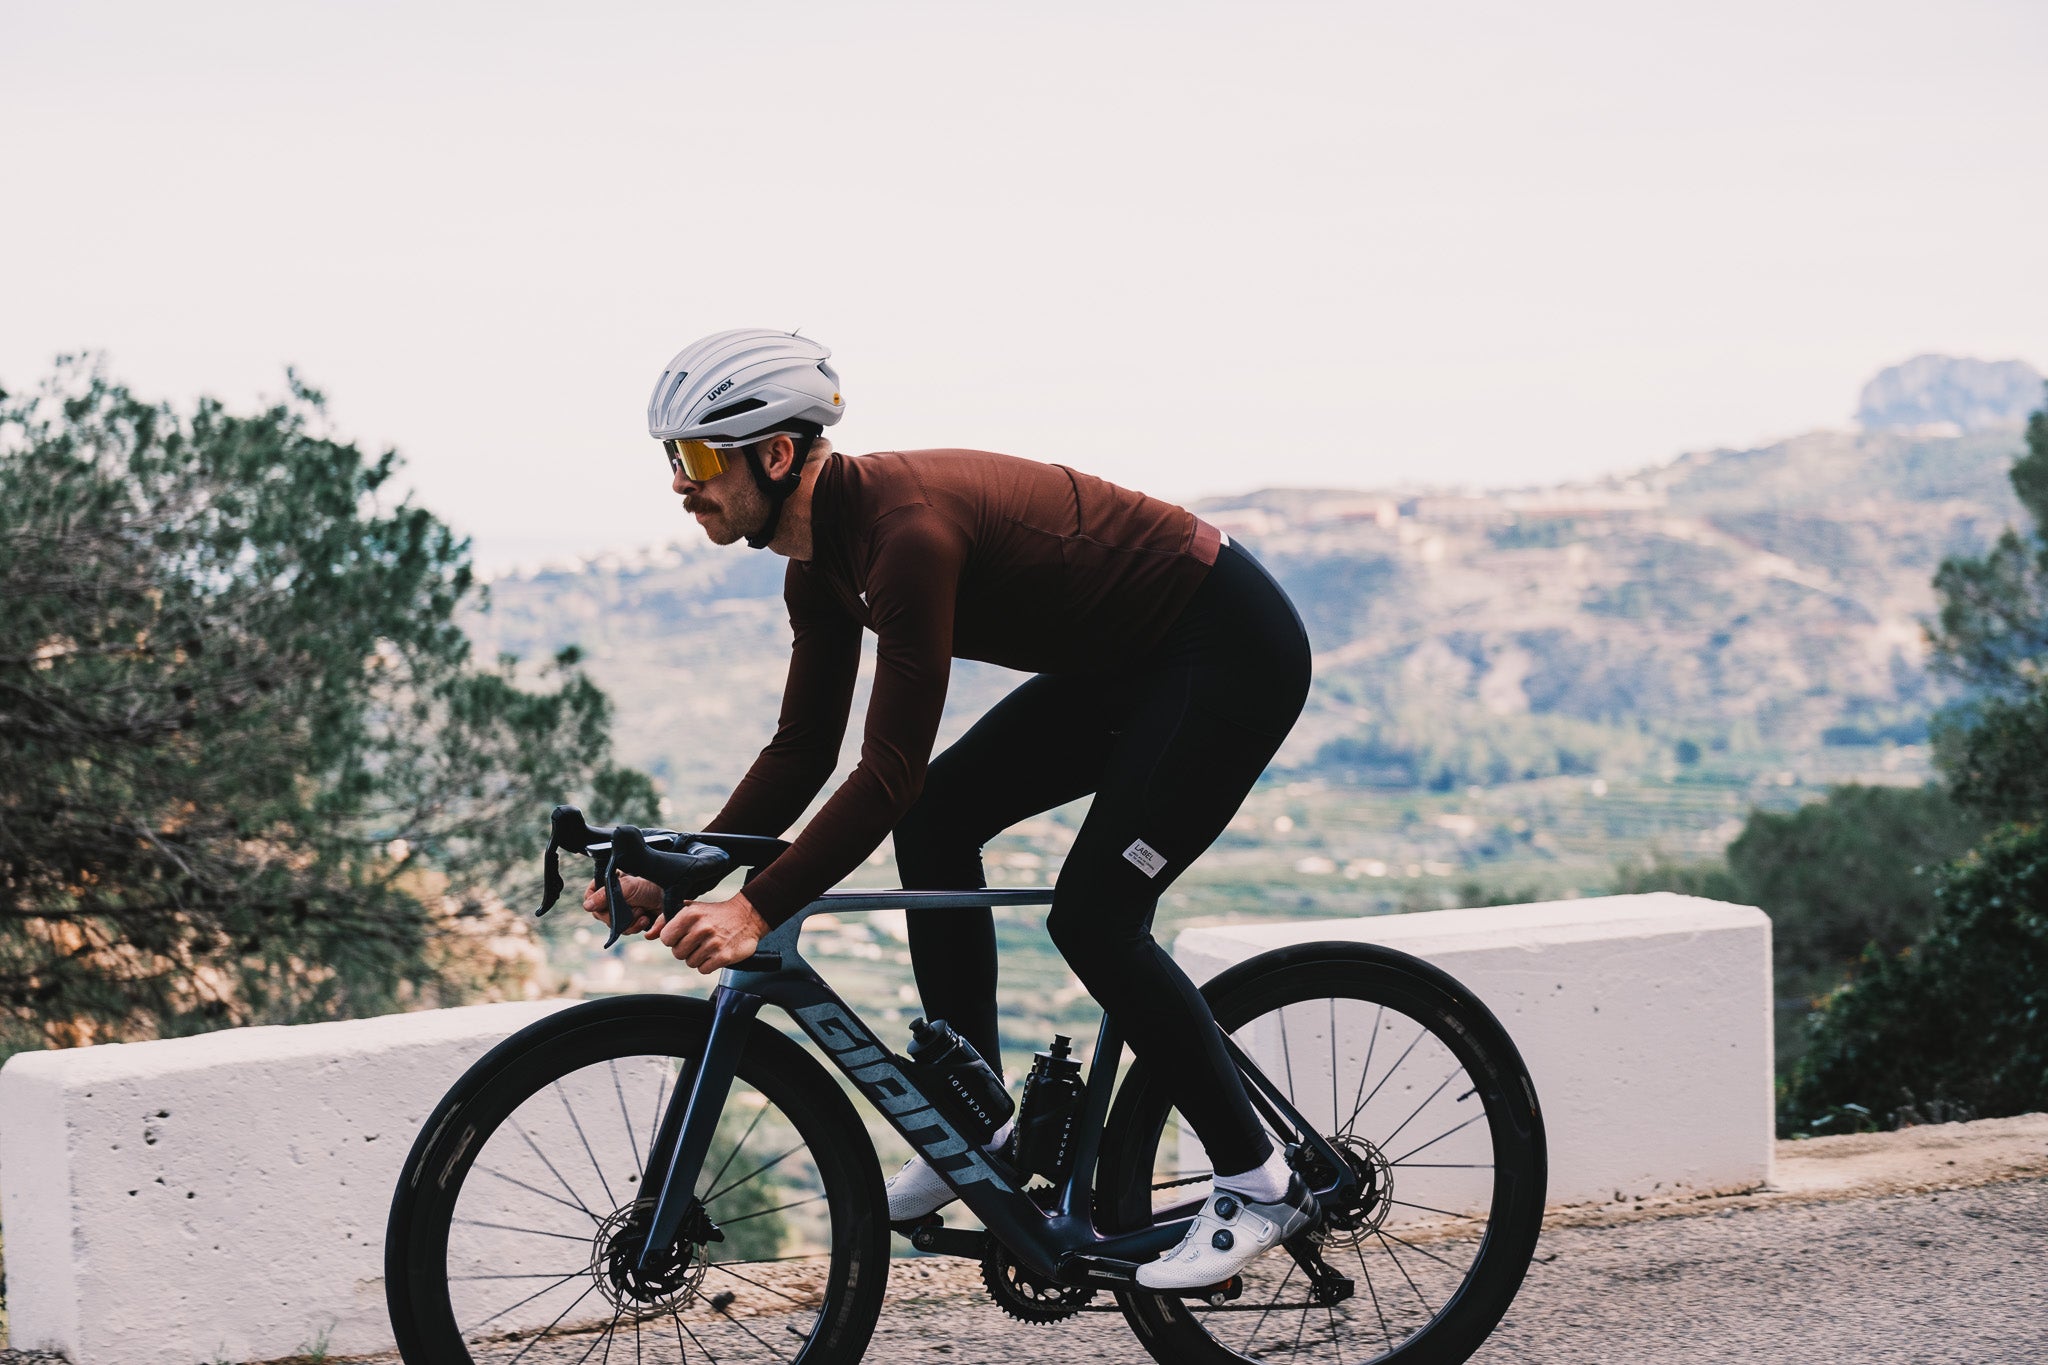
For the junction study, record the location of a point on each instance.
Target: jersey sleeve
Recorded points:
(824, 659)
(913, 579)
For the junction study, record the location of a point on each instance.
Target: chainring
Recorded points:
(1025, 1297)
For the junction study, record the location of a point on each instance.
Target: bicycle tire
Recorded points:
(1380, 988)
(569, 1056)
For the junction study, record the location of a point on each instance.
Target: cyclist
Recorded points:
(1168, 667)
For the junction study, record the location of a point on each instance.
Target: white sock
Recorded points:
(1266, 1184)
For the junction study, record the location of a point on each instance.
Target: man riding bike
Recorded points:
(1169, 666)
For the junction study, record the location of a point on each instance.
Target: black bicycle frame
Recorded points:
(1058, 1240)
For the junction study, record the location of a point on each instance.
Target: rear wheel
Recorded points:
(516, 1232)
(1419, 1089)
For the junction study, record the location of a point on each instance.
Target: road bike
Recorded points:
(676, 1178)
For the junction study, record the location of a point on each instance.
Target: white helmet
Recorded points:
(733, 386)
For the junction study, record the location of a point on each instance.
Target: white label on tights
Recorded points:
(1144, 857)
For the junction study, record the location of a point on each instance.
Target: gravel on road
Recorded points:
(1924, 1245)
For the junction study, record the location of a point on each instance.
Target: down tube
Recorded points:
(888, 1085)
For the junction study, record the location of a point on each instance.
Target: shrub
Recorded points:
(1956, 1025)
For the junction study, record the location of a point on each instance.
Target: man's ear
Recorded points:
(778, 455)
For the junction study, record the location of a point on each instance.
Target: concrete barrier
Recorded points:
(223, 1197)
(219, 1197)
(1645, 1022)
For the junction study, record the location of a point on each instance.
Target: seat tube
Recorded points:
(693, 1113)
(1077, 1195)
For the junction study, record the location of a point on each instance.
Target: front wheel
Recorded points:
(517, 1226)
(1421, 1092)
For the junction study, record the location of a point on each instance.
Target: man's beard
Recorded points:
(728, 523)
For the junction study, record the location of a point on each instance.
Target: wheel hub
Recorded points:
(670, 1280)
(1350, 1223)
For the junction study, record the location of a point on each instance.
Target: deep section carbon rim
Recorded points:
(1419, 1104)
(527, 1248)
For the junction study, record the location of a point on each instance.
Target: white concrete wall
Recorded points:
(220, 1197)
(1645, 1022)
(224, 1197)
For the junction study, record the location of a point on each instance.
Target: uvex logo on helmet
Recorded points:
(717, 391)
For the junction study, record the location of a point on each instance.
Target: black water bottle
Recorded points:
(1052, 1101)
(966, 1084)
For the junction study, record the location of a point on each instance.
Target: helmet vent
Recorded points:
(732, 410)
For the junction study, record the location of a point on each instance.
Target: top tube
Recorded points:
(897, 898)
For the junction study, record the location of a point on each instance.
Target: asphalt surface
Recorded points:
(1952, 1275)
(1959, 1275)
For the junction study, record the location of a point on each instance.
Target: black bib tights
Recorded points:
(1169, 748)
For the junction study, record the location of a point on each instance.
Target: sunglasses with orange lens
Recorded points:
(697, 461)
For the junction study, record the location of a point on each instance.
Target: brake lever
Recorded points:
(550, 877)
(615, 901)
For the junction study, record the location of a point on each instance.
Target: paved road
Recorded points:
(1955, 1276)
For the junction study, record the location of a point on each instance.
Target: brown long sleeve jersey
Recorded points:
(944, 554)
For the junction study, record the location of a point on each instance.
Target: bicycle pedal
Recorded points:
(1216, 1295)
(932, 1236)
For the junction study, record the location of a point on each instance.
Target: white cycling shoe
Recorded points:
(1227, 1235)
(917, 1191)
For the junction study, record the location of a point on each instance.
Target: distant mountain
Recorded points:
(1944, 391)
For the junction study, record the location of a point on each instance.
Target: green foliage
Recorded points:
(1448, 748)
(1709, 878)
(1956, 1026)
(1853, 870)
(249, 771)
(1992, 634)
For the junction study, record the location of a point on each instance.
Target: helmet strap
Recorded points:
(777, 491)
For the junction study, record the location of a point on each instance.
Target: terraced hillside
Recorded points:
(1514, 691)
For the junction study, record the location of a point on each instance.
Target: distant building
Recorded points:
(1245, 521)
(1584, 502)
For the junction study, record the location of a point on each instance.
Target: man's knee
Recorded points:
(1095, 944)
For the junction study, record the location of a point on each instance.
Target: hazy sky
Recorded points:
(1196, 248)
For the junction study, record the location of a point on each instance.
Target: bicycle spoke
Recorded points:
(1396, 1259)
(654, 1129)
(595, 1164)
(1372, 1041)
(510, 1180)
(681, 1328)
(535, 1232)
(604, 1340)
(1333, 1061)
(551, 1166)
(557, 1276)
(1377, 1311)
(1422, 1251)
(720, 1266)
(724, 1166)
(1287, 1054)
(612, 1065)
(727, 1315)
(531, 1297)
(763, 1213)
(1384, 1079)
(1461, 1217)
(756, 1172)
(1299, 1328)
(1424, 1105)
(1270, 1303)
(539, 1336)
(1439, 1138)
(776, 1260)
